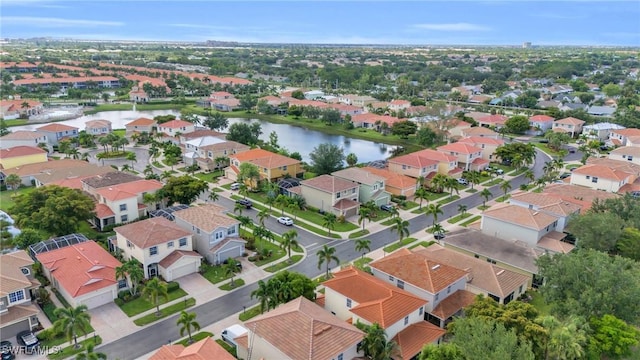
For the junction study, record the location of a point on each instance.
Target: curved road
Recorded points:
(165, 331)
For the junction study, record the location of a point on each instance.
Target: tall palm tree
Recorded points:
(473, 177)
(325, 256)
(263, 214)
(439, 182)
(293, 208)
(420, 182)
(422, 194)
(375, 345)
(262, 293)
(187, 322)
(434, 210)
(453, 185)
(363, 245)
(89, 354)
(289, 240)
(244, 221)
(329, 221)
(462, 209)
(213, 196)
(486, 194)
(282, 201)
(529, 175)
(505, 186)
(72, 321)
(14, 181)
(437, 229)
(230, 267)
(239, 208)
(401, 227)
(364, 214)
(131, 156)
(153, 290)
(566, 340)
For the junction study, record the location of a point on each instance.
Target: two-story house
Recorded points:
(23, 138)
(56, 132)
(299, 330)
(98, 127)
(331, 194)
(17, 285)
(209, 156)
(541, 123)
(192, 147)
(570, 125)
(83, 273)
(123, 202)
(204, 349)
(551, 205)
(176, 127)
(394, 183)
(620, 137)
(600, 131)
(601, 177)
(22, 155)
(428, 161)
(271, 166)
(487, 144)
(160, 245)
(356, 296)
(140, 125)
(496, 121)
(469, 157)
(216, 235)
(397, 105)
(372, 187)
(626, 153)
(479, 131)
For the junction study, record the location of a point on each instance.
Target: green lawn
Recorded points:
(407, 205)
(211, 177)
(422, 243)
(471, 191)
(283, 264)
(214, 273)
(457, 218)
(169, 310)
(493, 182)
(70, 350)
(545, 148)
(397, 245)
(503, 198)
(196, 337)
(48, 310)
(157, 164)
(228, 287)
(435, 196)
(249, 313)
(362, 262)
(230, 349)
(449, 199)
(393, 220)
(359, 233)
(471, 221)
(119, 132)
(572, 166)
(6, 197)
(484, 207)
(16, 122)
(140, 304)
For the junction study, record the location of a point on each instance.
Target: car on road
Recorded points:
(284, 220)
(246, 203)
(438, 235)
(572, 151)
(6, 350)
(235, 186)
(462, 181)
(565, 175)
(499, 171)
(387, 207)
(28, 340)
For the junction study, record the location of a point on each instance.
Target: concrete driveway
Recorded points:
(111, 323)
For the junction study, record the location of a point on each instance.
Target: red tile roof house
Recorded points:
(492, 121)
(23, 138)
(395, 184)
(140, 125)
(620, 137)
(488, 145)
(570, 125)
(57, 132)
(123, 202)
(205, 349)
(299, 330)
(98, 127)
(216, 234)
(330, 193)
(173, 127)
(602, 177)
(83, 273)
(22, 155)
(161, 246)
(17, 286)
(540, 124)
(444, 164)
(138, 95)
(13, 109)
(469, 157)
(347, 109)
(397, 105)
(356, 296)
(479, 131)
(373, 121)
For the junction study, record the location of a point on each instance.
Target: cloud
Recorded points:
(34, 3)
(451, 27)
(48, 22)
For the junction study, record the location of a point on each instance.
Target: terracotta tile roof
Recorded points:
(602, 171)
(346, 204)
(412, 339)
(575, 194)
(103, 211)
(559, 130)
(151, 232)
(627, 132)
(432, 276)
(570, 121)
(372, 118)
(205, 349)
(493, 119)
(56, 127)
(12, 278)
(547, 203)
(110, 179)
(541, 118)
(99, 123)
(378, 301)
(71, 183)
(175, 124)
(175, 256)
(453, 303)
(23, 135)
(202, 133)
(415, 160)
(230, 146)
(20, 151)
(483, 275)
(17, 313)
(392, 179)
(77, 169)
(459, 147)
(129, 189)
(329, 184)
(264, 159)
(358, 175)
(478, 131)
(553, 241)
(65, 80)
(206, 217)
(399, 102)
(519, 215)
(141, 122)
(302, 330)
(481, 140)
(81, 268)
(627, 150)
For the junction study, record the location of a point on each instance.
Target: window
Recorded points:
(594, 179)
(16, 296)
(123, 207)
(520, 289)
(421, 311)
(588, 177)
(340, 357)
(183, 242)
(391, 278)
(153, 250)
(284, 168)
(353, 191)
(219, 235)
(630, 158)
(400, 284)
(349, 303)
(129, 244)
(231, 230)
(25, 271)
(169, 244)
(437, 297)
(337, 195)
(406, 320)
(448, 289)
(124, 218)
(491, 261)
(198, 231)
(404, 167)
(122, 283)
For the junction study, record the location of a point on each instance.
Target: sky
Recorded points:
(491, 22)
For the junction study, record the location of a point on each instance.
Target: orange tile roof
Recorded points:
(392, 179)
(479, 131)
(412, 339)
(81, 268)
(20, 151)
(151, 232)
(56, 127)
(493, 119)
(300, 329)
(64, 166)
(481, 140)
(415, 160)
(129, 189)
(98, 123)
(378, 301)
(141, 122)
(206, 217)
(175, 124)
(570, 121)
(580, 195)
(65, 80)
(329, 184)
(522, 216)
(627, 132)
(264, 158)
(175, 256)
(602, 171)
(205, 349)
(103, 211)
(23, 134)
(541, 118)
(453, 303)
(459, 147)
(547, 203)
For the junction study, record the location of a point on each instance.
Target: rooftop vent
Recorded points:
(435, 267)
(500, 272)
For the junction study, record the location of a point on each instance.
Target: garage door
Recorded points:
(233, 252)
(183, 270)
(98, 300)
(9, 332)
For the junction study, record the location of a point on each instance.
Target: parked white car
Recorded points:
(284, 220)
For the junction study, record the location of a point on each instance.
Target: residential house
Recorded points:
(372, 187)
(57, 132)
(273, 101)
(83, 273)
(205, 349)
(299, 330)
(541, 123)
(626, 153)
(225, 105)
(44, 173)
(22, 155)
(14, 109)
(140, 125)
(221, 95)
(98, 127)
(601, 177)
(138, 95)
(479, 131)
(356, 296)
(518, 223)
(208, 155)
(123, 202)
(397, 105)
(160, 245)
(548, 204)
(216, 234)
(579, 195)
(92, 184)
(480, 99)
(345, 110)
(17, 290)
(496, 121)
(456, 127)
(313, 94)
(199, 133)
(373, 121)
(331, 193)
(633, 141)
(105, 82)
(572, 106)
(548, 104)
(621, 137)
(425, 163)
(23, 138)
(488, 145)
(357, 100)
(469, 157)
(600, 131)
(570, 125)
(395, 183)
(192, 148)
(605, 111)
(272, 166)
(176, 127)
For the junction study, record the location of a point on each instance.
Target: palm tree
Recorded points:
(89, 354)
(282, 201)
(529, 175)
(14, 181)
(244, 221)
(263, 214)
(239, 208)
(452, 184)
(434, 210)
(401, 227)
(473, 177)
(288, 241)
(566, 340)
(362, 245)
(213, 196)
(462, 209)
(293, 206)
(486, 194)
(420, 182)
(326, 255)
(439, 182)
(153, 290)
(422, 194)
(263, 293)
(505, 186)
(132, 272)
(230, 267)
(72, 321)
(188, 322)
(131, 156)
(329, 221)
(374, 344)
(364, 214)
(436, 229)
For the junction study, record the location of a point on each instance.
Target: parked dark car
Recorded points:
(438, 235)
(246, 203)
(6, 350)
(28, 340)
(565, 175)
(386, 207)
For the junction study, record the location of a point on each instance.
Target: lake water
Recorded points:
(291, 137)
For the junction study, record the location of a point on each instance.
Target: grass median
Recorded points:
(165, 312)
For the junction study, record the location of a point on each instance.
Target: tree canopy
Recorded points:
(248, 134)
(517, 124)
(183, 189)
(326, 158)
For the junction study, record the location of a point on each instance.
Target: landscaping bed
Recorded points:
(236, 284)
(457, 218)
(70, 350)
(422, 243)
(358, 234)
(169, 310)
(397, 245)
(140, 304)
(471, 221)
(249, 313)
(211, 177)
(195, 337)
(283, 264)
(449, 199)
(230, 349)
